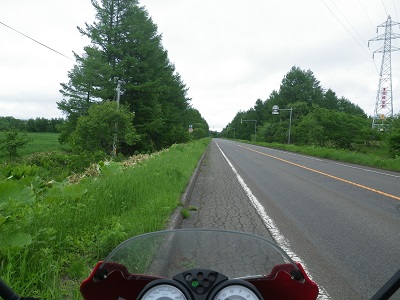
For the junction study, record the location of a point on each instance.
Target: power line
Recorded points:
(365, 11)
(345, 27)
(384, 7)
(373, 25)
(395, 9)
(35, 40)
(362, 39)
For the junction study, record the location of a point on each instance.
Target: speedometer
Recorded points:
(235, 291)
(163, 291)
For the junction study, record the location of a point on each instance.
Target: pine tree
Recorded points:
(126, 46)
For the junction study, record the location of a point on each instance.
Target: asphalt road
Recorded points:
(342, 220)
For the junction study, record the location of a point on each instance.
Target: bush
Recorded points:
(394, 143)
(100, 128)
(14, 139)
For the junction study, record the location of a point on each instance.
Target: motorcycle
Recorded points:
(200, 264)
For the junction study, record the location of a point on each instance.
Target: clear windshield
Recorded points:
(167, 253)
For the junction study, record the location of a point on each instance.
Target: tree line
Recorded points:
(123, 87)
(319, 118)
(31, 125)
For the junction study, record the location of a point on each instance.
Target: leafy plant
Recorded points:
(13, 194)
(20, 171)
(63, 229)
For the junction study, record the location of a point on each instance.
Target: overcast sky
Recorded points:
(228, 52)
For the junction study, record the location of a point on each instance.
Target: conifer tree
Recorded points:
(126, 46)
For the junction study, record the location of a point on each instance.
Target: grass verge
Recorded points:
(74, 225)
(370, 160)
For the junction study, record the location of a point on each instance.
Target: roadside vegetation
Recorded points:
(72, 189)
(312, 120)
(125, 151)
(53, 232)
(126, 148)
(366, 159)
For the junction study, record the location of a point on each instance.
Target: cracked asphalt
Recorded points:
(334, 227)
(218, 200)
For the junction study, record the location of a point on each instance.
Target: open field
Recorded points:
(39, 142)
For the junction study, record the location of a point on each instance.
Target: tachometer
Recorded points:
(237, 292)
(164, 291)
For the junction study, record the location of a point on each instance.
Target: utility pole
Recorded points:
(384, 98)
(114, 151)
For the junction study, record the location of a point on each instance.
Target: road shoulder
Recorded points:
(217, 200)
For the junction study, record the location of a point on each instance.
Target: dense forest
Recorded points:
(314, 116)
(126, 63)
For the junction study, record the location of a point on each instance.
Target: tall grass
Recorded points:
(75, 225)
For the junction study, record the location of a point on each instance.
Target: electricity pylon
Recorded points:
(384, 98)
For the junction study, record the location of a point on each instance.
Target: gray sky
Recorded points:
(228, 52)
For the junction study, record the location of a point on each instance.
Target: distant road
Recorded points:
(342, 220)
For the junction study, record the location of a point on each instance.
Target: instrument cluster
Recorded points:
(199, 284)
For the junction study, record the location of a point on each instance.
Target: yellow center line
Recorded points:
(326, 174)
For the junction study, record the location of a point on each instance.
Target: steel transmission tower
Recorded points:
(384, 97)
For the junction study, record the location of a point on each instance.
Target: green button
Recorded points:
(195, 283)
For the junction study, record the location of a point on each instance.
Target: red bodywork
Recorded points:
(120, 284)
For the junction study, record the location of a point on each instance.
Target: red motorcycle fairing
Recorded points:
(120, 284)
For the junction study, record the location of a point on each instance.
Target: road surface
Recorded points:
(341, 220)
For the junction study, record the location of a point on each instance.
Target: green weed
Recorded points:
(185, 213)
(73, 226)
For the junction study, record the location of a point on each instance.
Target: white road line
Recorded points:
(272, 228)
